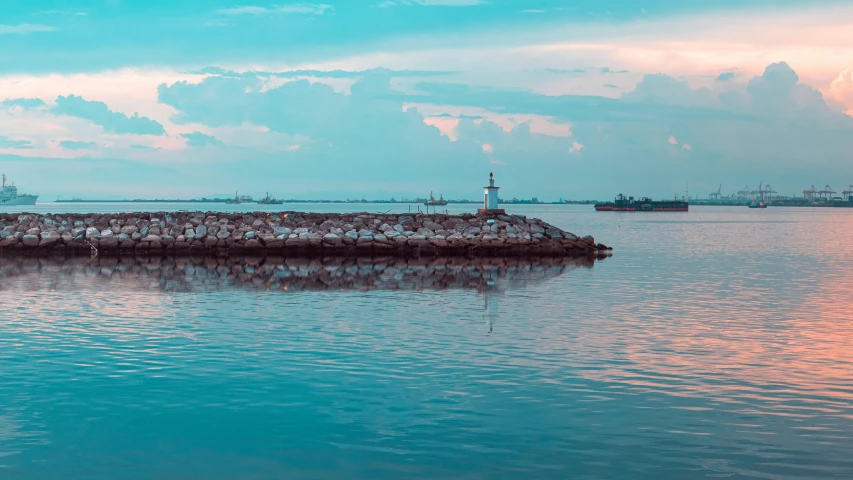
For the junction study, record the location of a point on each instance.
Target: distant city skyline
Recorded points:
(380, 99)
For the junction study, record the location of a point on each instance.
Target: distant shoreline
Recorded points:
(412, 202)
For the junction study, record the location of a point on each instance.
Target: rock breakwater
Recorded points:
(289, 233)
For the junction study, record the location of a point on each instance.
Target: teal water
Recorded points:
(716, 343)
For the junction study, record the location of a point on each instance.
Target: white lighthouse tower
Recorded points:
(491, 201)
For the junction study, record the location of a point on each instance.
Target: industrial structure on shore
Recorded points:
(811, 197)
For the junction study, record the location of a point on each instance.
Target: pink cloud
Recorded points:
(841, 89)
(576, 147)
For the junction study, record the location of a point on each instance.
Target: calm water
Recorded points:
(717, 343)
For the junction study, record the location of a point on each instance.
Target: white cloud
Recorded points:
(841, 89)
(74, 13)
(25, 29)
(450, 3)
(432, 3)
(576, 147)
(687, 147)
(303, 8)
(672, 140)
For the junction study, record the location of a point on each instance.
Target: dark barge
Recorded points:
(645, 204)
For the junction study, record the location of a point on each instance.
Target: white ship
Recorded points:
(9, 195)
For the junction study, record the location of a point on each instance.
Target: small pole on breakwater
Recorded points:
(93, 251)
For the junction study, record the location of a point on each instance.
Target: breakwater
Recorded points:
(289, 233)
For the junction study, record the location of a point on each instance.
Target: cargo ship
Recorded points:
(268, 200)
(9, 195)
(645, 204)
(433, 202)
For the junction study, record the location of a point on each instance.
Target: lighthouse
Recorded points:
(491, 202)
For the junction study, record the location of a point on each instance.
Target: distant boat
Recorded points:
(760, 203)
(239, 199)
(433, 202)
(9, 195)
(269, 200)
(645, 204)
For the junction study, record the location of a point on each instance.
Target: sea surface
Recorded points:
(712, 344)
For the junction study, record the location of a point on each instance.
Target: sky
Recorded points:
(396, 98)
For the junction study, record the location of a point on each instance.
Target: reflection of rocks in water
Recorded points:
(291, 274)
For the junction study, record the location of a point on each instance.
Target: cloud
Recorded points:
(609, 85)
(25, 29)
(99, 113)
(449, 3)
(672, 140)
(726, 76)
(841, 89)
(73, 13)
(563, 72)
(665, 90)
(75, 145)
(25, 103)
(6, 142)
(297, 8)
(686, 147)
(198, 139)
(432, 3)
(576, 147)
(608, 70)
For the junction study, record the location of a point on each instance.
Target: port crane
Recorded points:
(744, 194)
(810, 193)
(769, 193)
(848, 192)
(826, 193)
(718, 194)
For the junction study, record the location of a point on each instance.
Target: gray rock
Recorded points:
(31, 240)
(554, 232)
(332, 239)
(200, 232)
(93, 233)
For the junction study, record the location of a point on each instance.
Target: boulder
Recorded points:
(31, 240)
(108, 242)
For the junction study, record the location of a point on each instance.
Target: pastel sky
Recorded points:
(380, 98)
